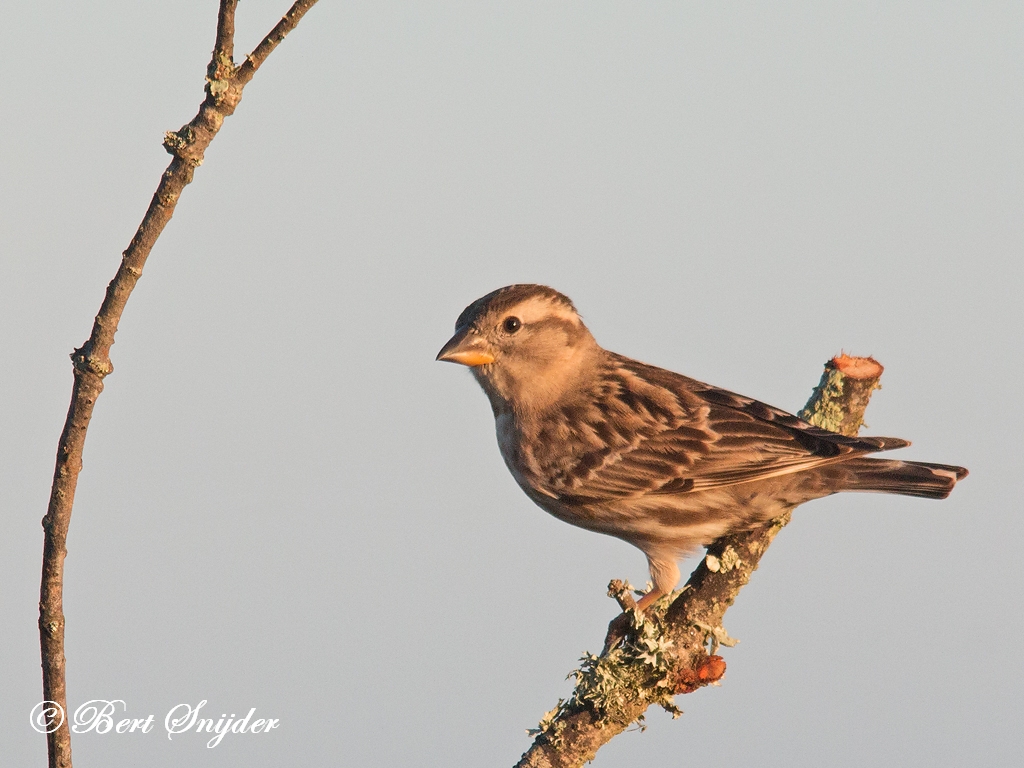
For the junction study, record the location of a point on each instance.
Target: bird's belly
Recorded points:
(654, 522)
(678, 524)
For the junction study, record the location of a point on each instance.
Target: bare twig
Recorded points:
(620, 590)
(224, 48)
(571, 735)
(270, 42)
(91, 363)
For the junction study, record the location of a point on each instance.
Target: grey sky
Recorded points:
(288, 505)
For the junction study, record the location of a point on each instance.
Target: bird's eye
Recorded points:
(511, 324)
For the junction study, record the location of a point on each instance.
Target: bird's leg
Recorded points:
(652, 595)
(664, 576)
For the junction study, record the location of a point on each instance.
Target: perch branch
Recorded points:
(614, 691)
(91, 363)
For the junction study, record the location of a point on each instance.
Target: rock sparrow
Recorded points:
(657, 459)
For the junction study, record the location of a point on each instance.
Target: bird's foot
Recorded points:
(635, 612)
(633, 615)
(621, 627)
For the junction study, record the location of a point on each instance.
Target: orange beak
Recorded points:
(466, 348)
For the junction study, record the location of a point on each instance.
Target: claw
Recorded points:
(618, 629)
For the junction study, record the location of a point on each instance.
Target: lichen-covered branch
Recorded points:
(841, 397)
(91, 363)
(672, 649)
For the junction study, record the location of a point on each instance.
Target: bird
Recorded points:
(662, 461)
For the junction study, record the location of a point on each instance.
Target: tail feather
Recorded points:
(908, 478)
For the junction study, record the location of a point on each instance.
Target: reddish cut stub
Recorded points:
(709, 671)
(857, 367)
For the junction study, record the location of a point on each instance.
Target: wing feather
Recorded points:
(650, 431)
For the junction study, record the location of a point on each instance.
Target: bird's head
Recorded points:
(526, 345)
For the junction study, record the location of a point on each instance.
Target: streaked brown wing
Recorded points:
(701, 437)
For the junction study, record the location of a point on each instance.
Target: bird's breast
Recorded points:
(509, 440)
(521, 461)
